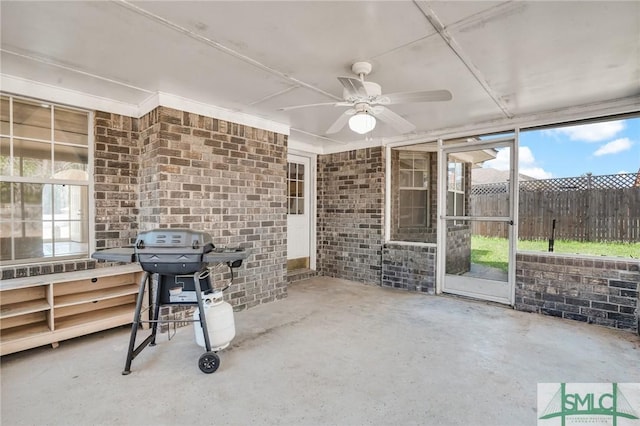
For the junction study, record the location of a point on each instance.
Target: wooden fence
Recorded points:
(590, 208)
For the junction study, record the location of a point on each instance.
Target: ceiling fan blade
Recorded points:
(310, 105)
(340, 122)
(353, 86)
(394, 120)
(423, 96)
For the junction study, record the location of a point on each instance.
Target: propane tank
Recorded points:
(220, 323)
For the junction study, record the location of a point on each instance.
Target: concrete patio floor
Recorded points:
(333, 353)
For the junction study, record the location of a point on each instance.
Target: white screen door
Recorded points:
(298, 212)
(479, 248)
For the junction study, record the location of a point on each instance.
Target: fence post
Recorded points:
(588, 214)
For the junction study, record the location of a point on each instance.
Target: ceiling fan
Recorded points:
(367, 103)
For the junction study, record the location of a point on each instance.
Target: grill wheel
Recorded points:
(209, 362)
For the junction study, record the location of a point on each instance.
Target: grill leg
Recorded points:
(156, 314)
(203, 318)
(132, 352)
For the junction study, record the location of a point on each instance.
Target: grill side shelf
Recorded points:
(225, 255)
(127, 254)
(120, 254)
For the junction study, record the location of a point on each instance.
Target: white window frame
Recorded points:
(88, 183)
(412, 155)
(451, 188)
(298, 199)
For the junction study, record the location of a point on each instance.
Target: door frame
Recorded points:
(443, 151)
(292, 155)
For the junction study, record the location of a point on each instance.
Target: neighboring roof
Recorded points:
(482, 176)
(475, 157)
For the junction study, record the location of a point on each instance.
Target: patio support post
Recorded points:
(441, 234)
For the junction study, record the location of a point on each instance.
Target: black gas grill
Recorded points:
(173, 251)
(174, 255)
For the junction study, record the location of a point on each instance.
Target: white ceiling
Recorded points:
(504, 62)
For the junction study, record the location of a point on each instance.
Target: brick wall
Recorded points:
(153, 165)
(350, 222)
(409, 267)
(587, 289)
(116, 177)
(21, 271)
(225, 179)
(174, 169)
(458, 259)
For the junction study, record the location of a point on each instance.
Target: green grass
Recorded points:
(628, 250)
(488, 251)
(493, 252)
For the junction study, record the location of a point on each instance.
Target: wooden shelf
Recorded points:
(94, 296)
(24, 332)
(89, 307)
(93, 284)
(47, 309)
(81, 320)
(21, 308)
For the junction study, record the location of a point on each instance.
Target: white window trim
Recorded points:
(417, 188)
(89, 183)
(296, 180)
(457, 191)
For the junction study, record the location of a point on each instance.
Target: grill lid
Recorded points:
(176, 238)
(173, 251)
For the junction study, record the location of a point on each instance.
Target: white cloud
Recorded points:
(535, 172)
(614, 147)
(501, 162)
(595, 132)
(527, 163)
(526, 156)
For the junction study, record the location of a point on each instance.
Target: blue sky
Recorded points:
(600, 148)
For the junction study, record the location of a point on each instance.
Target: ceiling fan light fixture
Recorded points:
(362, 122)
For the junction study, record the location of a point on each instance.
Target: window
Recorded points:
(295, 184)
(455, 189)
(44, 181)
(587, 196)
(414, 189)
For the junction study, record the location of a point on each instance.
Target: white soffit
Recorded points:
(10, 84)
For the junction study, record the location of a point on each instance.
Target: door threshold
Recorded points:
(494, 291)
(500, 304)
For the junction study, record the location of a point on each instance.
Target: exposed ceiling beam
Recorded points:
(433, 19)
(57, 64)
(212, 43)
